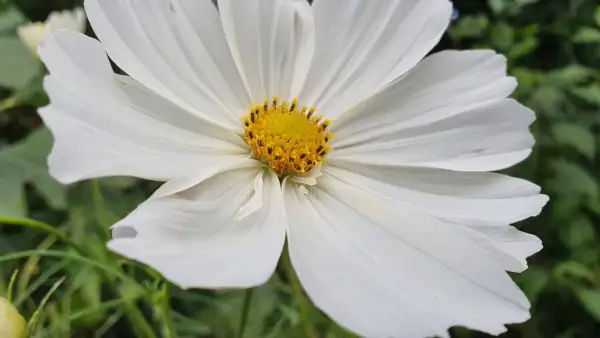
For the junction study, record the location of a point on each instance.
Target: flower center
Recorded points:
(288, 138)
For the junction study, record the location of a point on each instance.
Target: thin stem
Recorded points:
(138, 321)
(11, 286)
(100, 208)
(36, 225)
(34, 318)
(9, 103)
(297, 293)
(245, 312)
(167, 313)
(67, 255)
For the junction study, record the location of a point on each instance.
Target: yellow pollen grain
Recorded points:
(288, 138)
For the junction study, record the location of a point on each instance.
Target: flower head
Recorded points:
(12, 324)
(32, 34)
(326, 125)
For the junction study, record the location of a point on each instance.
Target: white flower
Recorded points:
(403, 232)
(12, 324)
(32, 34)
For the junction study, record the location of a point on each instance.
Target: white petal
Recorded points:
(272, 43)
(364, 45)
(194, 239)
(449, 112)
(472, 199)
(309, 178)
(489, 138)
(32, 35)
(177, 49)
(385, 270)
(104, 125)
(518, 244)
(74, 20)
(484, 202)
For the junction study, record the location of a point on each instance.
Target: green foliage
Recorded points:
(25, 162)
(552, 48)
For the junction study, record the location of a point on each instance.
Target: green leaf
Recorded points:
(576, 136)
(10, 19)
(547, 100)
(533, 281)
(523, 48)
(590, 299)
(597, 16)
(517, 5)
(570, 272)
(503, 36)
(11, 192)
(29, 159)
(587, 35)
(570, 75)
(577, 233)
(590, 94)
(522, 3)
(497, 6)
(470, 26)
(17, 65)
(572, 179)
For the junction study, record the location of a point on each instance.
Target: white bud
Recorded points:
(33, 34)
(12, 324)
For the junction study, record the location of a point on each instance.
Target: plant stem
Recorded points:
(297, 293)
(9, 103)
(138, 321)
(245, 312)
(36, 225)
(167, 314)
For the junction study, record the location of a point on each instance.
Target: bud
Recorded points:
(33, 34)
(12, 324)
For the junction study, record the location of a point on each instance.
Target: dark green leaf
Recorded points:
(576, 136)
(17, 65)
(590, 299)
(587, 35)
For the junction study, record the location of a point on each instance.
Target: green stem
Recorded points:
(9, 102)
(138, 321)
(167, 313)
(297, 293)
(245, 312)
(40, 226)
(100, 208)
(67, 255)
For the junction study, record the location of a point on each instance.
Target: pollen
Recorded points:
(288, 138)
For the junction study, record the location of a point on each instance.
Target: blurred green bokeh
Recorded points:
(553, 48)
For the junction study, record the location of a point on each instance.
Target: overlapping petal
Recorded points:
(226, 232)
(272, 43)
(385, 269)
(449, 112)
(484, 202)
(363, 45)
(176, 48)
(106, 125)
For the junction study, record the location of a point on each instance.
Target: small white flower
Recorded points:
(396, 226)
(12, 324)
(32, 34)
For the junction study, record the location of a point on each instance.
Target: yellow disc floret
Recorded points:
(288, 138)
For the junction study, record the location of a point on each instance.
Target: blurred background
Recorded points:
(71, 286)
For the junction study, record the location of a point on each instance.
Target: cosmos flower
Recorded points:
(12, 324)
(32, 34)
(326, 125)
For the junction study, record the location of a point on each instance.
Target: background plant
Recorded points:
(55, 235)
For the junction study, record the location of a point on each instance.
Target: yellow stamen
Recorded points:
(287, 137)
